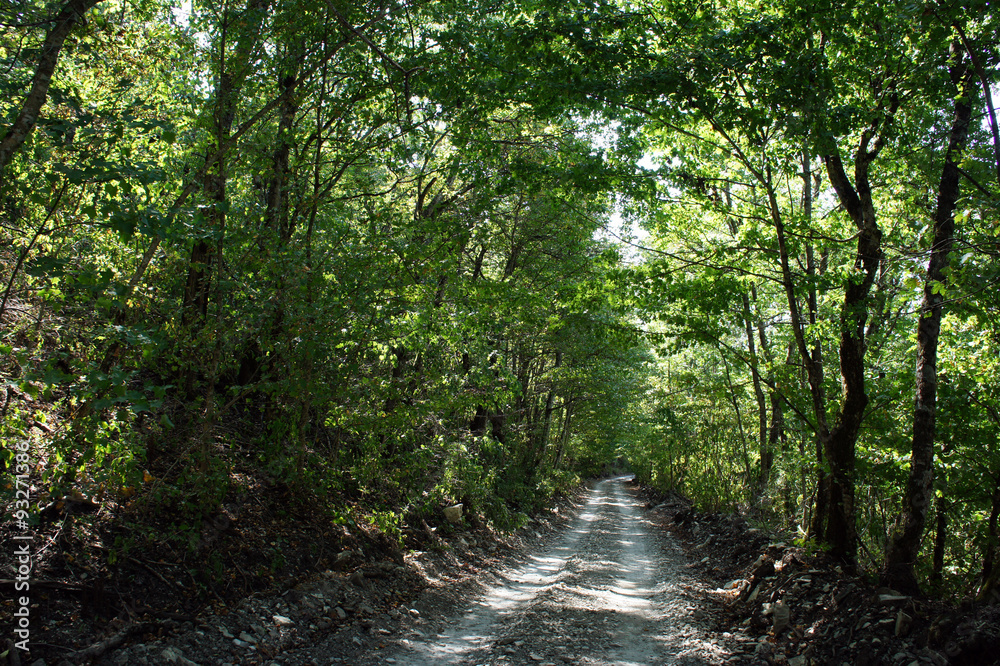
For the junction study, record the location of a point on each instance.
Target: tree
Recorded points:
(762, 93)
(71, 15)
(904, 544)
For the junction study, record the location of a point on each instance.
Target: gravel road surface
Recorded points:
(611, 589)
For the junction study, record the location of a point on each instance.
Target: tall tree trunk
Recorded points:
(277, 218)
(278, 227)
(839, 444)
(824, 475)
(70, 16)
(233, 72)
(734, 401)
(904, 544)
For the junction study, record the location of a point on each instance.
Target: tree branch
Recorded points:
(67, 19)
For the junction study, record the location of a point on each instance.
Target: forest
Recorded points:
(386, 256)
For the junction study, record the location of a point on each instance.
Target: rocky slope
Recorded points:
(795, 607)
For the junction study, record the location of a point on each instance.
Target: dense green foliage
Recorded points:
(390, 287)
(802, 197)
(371, 251)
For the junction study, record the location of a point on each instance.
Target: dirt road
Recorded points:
(606, 583)
(610, 590)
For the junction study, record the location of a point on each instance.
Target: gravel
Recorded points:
(612, 588)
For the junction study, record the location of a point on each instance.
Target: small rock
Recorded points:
(903, 622)
(244, 636)
(780, 616)
(174, 656)
(892, 599)
(343, 560)
(225, 633)
(842, 594)
(764, 570)
(453, 514)
(797, 661)
(356, 641)
(340, 613)
(282, 621)
(238, 643)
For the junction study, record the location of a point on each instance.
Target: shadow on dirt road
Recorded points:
(610, 589)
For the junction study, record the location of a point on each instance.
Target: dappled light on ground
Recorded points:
(609, 590)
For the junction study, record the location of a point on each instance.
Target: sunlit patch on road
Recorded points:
(607, 591)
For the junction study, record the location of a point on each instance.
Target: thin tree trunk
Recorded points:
(904, 545)
(543, 439)
(989, 590)
(201, 265)
(940, 539)
(776, 428)
(987, 94)
(812, 361)
(27, 250)
(564, 434)
(71, 15)
(766, 456)
(734, 401)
